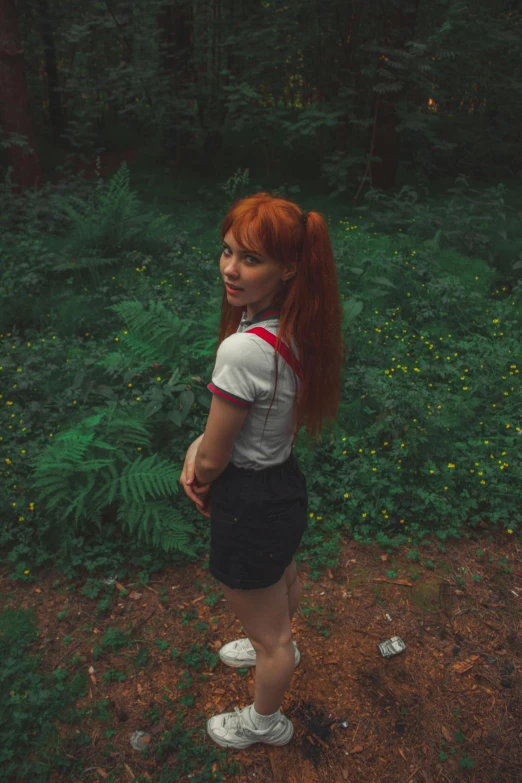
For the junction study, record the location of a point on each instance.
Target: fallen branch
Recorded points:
(66, 654)
(392, 581)
(319, 740)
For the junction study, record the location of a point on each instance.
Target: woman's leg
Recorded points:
(293, 586)
(264, 614)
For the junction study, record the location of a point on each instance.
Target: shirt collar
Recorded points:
(263, 315)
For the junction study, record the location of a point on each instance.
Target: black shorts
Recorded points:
(257, 520)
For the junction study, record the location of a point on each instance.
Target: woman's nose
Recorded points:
(232, 268)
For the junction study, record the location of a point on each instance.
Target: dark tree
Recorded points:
(399, 28)
(175, 21)
(53, 85)
(15, 111)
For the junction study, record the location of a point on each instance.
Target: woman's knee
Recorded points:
(269, 646)
(263, 614)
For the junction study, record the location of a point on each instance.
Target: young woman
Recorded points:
(280, 344)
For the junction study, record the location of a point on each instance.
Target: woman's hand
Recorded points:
(199, 494)
(204, 494)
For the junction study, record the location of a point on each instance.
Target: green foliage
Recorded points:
(153, 714)
(112, 675)
(96, 426)
(466, 762)
(235, 186)
(140, 661)
(503, 563)
(191, 755)
(75, 459)
(195, 658)
(470, 220)
(113, 640)
(31, 702)
(111, 219)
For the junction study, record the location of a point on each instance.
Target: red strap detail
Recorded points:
(225, 396)
(284, 350)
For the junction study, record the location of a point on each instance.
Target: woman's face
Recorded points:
(258, 276)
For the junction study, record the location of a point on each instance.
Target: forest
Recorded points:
(127, 130)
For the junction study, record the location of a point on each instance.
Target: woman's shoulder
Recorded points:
(242, 346)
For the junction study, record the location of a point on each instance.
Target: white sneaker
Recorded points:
(242, 653)
(236, 730)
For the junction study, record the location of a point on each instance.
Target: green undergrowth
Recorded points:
(110, 312)
(33, 703)
(44, 734)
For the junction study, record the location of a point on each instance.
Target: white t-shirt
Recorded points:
(244, 375)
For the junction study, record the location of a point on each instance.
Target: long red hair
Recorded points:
(310, 302)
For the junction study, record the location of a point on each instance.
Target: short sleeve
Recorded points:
(241, 370)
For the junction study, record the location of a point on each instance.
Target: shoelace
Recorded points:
(240, 726)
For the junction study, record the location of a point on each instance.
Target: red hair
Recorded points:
(310, 302)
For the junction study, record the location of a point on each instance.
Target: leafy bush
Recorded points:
(89, 470)
(110, 219)
(470, 221)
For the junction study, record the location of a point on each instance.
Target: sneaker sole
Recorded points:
(235, 664)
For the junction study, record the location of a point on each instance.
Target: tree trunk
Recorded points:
(175, 21)
(400, 28)
(15, 111)
(53, 85)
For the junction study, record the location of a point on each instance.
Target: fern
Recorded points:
(107, 220)
(158, 524)
(71, 477)
(163, 331)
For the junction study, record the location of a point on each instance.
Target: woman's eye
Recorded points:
(225, 250)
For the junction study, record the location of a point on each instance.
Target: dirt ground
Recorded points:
(455, 690)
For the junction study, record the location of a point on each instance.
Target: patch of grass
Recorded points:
(426, 595)
(358, 577)
(314, 613)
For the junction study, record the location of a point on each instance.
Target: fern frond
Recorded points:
(159, 524)
(163, 330)
(148, 476)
